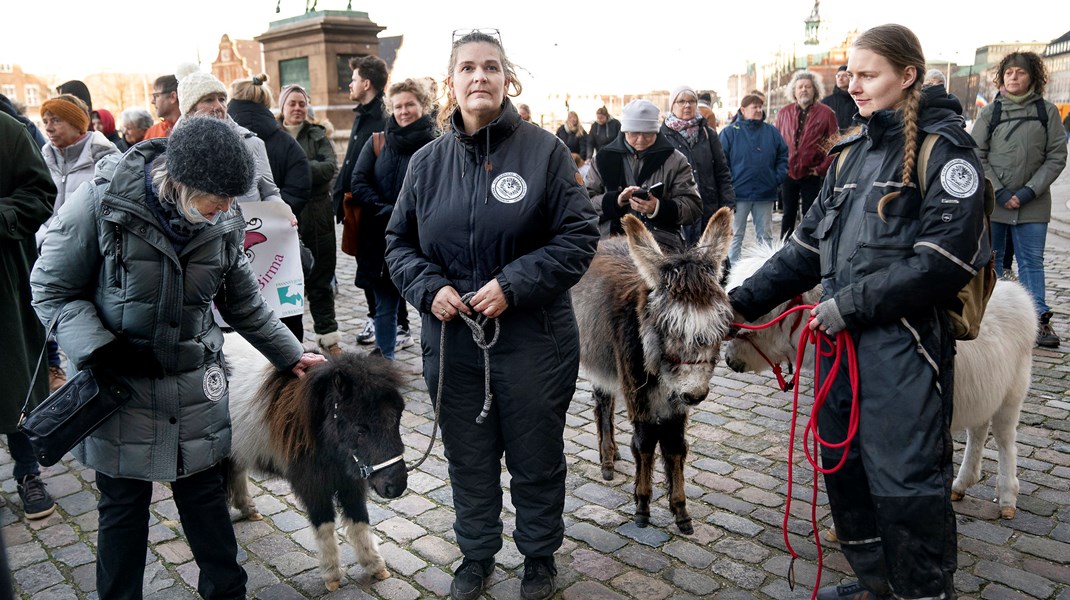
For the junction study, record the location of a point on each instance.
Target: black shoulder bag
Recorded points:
(70, 413)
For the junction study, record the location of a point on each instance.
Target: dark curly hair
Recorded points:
(1031, 62)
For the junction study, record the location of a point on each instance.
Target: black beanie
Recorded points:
(207, 155)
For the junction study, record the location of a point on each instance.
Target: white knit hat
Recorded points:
(640, 116)
(194, 84)
(683, 89)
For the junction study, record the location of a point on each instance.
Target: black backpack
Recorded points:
(997, 113)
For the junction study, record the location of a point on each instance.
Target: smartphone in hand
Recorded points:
(655, 190)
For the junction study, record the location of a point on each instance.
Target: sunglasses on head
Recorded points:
(460, 34)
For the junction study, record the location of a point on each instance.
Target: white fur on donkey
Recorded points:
(992, 374)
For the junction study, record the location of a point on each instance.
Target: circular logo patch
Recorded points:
(509, 188)
(215, 383)
(959, 178)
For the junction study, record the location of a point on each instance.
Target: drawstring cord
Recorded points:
(476, 324)
(824, 348)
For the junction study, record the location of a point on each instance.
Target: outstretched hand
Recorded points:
(307, 360)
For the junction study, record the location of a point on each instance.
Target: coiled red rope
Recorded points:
(824, 347)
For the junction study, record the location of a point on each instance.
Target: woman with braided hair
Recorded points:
(890, 259)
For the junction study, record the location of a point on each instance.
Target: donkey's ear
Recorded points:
(646, 254)
(718, 235)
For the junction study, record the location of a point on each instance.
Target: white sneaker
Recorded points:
(404, 339)
(367, 335)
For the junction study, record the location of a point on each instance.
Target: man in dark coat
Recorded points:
(26, 196)
(840, 100)
(369, 81)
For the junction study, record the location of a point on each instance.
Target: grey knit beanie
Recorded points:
(639, 116)
(207, 155)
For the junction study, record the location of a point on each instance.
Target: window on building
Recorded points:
(32, 98)
(345, 72)
(8, 90)
(294, 70)
(7, 68)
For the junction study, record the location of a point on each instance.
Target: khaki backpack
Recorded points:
(968, 308)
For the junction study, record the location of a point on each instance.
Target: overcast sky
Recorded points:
(561, 45)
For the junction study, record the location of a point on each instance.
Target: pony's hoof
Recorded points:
(607, 473)
(1007, 512)
(830, 535)
(332, 586)
(642, 521)
(381, 574)
(685, 527)
(255, 516)
(956, 496)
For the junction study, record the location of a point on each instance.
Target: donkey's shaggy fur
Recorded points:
(992, 373)
(650, 330)
(312, 432)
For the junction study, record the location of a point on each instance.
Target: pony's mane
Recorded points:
(288, 416)
(752, 259)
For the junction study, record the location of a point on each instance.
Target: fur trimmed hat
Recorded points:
(194, 84)
(640, 116)
(207, 155)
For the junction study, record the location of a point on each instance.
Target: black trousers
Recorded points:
(316, 229)
(124, 529)
(792, 192)
(891, 499)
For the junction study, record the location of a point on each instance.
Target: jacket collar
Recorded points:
(489, 136)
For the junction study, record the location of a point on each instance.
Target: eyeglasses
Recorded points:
(460, 34)
(686, 102)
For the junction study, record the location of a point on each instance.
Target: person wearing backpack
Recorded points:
(891, 260)
(1023, 150)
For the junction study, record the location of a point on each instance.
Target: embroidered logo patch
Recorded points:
(946, 217)
(215, 383)
(959, 178)
(509, 188)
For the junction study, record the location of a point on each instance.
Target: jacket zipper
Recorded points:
(877, 247)
(120, 266)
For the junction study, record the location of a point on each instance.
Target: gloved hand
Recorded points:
(122, 357)
(827, 318)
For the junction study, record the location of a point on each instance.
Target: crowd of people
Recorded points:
(470, 208)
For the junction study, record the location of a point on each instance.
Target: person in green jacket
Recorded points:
(1023, 150)
(26, 196)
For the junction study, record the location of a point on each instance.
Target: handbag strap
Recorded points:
(37, 367)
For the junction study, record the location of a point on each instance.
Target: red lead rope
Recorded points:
(824, 347)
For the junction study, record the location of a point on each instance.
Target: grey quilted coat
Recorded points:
(106, 267)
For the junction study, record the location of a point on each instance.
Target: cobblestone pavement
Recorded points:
(737, 484)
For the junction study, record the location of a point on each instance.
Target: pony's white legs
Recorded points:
(367, 548)
(1004, 431)
(970, 470)
(330, 566)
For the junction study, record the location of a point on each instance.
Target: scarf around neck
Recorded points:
(687, 128)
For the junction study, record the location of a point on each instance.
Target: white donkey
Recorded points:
(992, 372)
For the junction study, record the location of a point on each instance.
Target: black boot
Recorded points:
(538, 582)
(1046, 337)
(849, 591)
(468, 579)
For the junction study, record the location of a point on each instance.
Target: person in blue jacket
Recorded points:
(758, 159)
(495, 207)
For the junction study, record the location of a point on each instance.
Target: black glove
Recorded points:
(122, 357)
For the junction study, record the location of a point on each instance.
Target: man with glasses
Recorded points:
(165, 99)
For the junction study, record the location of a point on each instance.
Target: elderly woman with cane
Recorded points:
(493, 220)
(160, 240)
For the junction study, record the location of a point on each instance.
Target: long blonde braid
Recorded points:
(910, 144)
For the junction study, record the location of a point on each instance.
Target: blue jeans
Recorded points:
(762, 213)
(387, 299)
(1028, 240)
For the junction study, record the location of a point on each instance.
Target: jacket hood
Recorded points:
(253, 116)
(936, 104)
(107, 121)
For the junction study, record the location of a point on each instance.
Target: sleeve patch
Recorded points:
(959, 178)
(579, 179)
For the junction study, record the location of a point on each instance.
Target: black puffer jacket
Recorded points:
(900, 268)
(289, 164)
(376, 185)
(710, 167)
(505, 203)
(576, 143)
(600, 135)
(369, 118)
(844, 106)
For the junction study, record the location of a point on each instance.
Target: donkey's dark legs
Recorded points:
(674, 453)
(604, 407)
(644, 441)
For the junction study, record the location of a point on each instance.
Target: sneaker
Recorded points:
(367, 335)
(56, 377)
(404, 338)
(850, 591)
(1046, 337)
(468, 579)
(37, 503)
(538, 582)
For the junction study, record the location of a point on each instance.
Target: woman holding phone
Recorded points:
(641, 173)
